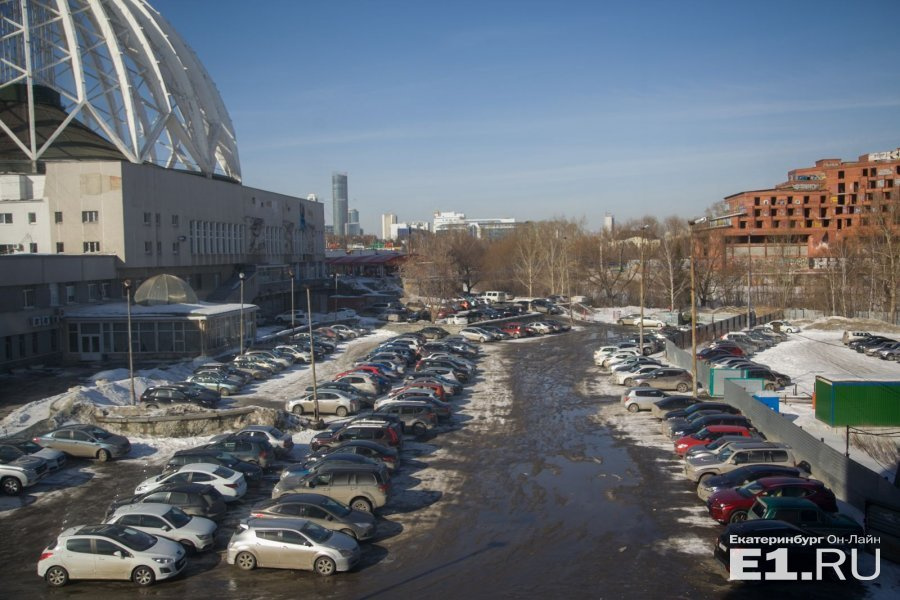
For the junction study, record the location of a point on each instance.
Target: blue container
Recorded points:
(770, 400)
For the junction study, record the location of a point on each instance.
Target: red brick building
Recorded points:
(816, 206)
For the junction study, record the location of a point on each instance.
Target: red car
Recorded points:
(515, 330)
(708, 435)
(731, 506)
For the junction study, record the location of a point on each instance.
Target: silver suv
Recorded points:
(361, 487)
(732, 456)
(417, 416)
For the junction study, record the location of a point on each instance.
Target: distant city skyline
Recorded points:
(538, 111)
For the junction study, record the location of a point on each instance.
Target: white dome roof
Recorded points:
(121, 70)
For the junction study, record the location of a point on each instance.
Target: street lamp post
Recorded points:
(334, 298)
(749, 278)
(569, 283)
(641, 323)
(241, 276)
(312, 357)
(127, 284)
(291, 275)
(691, 225)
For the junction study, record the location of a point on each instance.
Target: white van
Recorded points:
(494, 296)
(852, 336)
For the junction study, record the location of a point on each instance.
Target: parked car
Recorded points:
(671, 403)
(227, 482)
(280, 359)
(252, 473)
(375, 431)
(707, 435)
(801, 552)
(634, 319)
(54, 458)
(785, 326)
(281, 442)
(732, 506)
(806, 515)
(215, 382)
(667, 378)
(714, 446)
(687, 411)
(298, 316)
(335, 458)
(124, 552)
(166, 395)
(737, 455)
(234, 375)
(195, 534)
(417, 417)
(385, 454)
(361, 487)
(252, 450)
(744, 475)
(626, 377)
(251, 368)
(641, 398)
(19, 470)
(676, 430)
(291, 544)
(329, 402)
(85, 441)
(321, 510)
(195, 499)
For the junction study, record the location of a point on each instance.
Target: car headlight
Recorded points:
(164, 561)
(346, 553)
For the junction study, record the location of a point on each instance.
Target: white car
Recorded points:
(330, 401)
(476, 334)
(124, 553)
(344, 330)
(455, 320)
(285, 318)
(785, 326)
(626, 377)
(344, 314)
(168, 521)
(230, 484)
(540, 327)
(614, 359)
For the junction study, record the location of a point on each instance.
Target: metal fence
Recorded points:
(710, 331)
(804, 313)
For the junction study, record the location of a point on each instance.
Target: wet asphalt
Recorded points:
(549, 502)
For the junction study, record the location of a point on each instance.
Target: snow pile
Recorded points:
(835, 323)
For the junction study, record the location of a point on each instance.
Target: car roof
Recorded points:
(786, 502)
(773, 481)
(758, 445)
(200, 467)
(266, 428)
(102, 529)
(268, 523)
(148, 508)
(726, 428)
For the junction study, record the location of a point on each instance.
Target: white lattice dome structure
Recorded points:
(107, 79)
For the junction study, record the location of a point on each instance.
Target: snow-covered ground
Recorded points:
(611, 314)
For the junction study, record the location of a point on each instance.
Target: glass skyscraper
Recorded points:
(339, 198)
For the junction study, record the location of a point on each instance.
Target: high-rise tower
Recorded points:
(339, 197)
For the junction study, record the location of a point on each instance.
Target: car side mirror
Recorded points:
(166, 528)
(119, 554)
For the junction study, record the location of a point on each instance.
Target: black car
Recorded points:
(196, 499)
(681, 430)
(744, 475)
(698, 406)
(250, 449)
(164, 395)
(860, 345)
(434, 333)
(673, 403)
(252, 473)
(389, 456)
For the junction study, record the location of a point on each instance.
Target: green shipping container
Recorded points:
(859, 402)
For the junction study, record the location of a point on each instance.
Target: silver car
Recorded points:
(88, 441)
(291, 544)
(168, 521)
(110, 551)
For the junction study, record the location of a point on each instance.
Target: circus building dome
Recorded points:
(165, 289)
(107, 79)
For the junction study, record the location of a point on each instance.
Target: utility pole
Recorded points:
(312, 356)
(749, 279)
(641, 323)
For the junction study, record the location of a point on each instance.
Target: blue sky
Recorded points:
(537, 110)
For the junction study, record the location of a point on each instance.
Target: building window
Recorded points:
(148, 247)
(70, 293)
(93, 292)
(174, 220)
(148, 218)
(91, 247)
(57, 217)
(32, 218)
(32, 247)
(175, 248)
(6, 218)
(28, 298)
(90, 216)
(157, 219)
(59, 248)
(159, 247)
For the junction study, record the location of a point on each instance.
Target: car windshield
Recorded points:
(177, 517)
(725, 453)
(134, 539)
(224, 472)
(335, 507)
(702, 434)
(754, 488)
(316, 533)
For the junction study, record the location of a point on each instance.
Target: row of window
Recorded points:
(24, 345)
(149, 219)
(96, 291)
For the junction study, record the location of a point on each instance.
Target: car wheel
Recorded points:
(770, 387)
(361, 504)
(103, 455)
(56, 576)
(11, 486)
(633, 407)
(349, 532)
(805, 466)
(682, 387)
(341, 411)
(188, 546)
(143, 576)
(620, 322)
(324, 566)
(647, 351)
(224, 392)
(419, 429)
(704, 477)
(628, 382)
(152, 406)
(298, 409)
(245, 561)
(738, 516)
